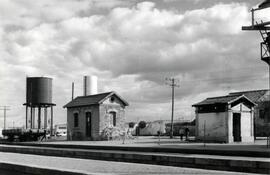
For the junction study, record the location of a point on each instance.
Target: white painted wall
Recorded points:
(246, 127)
(215, 124)
(240, 107)
(219, 126)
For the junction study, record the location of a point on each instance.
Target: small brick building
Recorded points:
(88, 116)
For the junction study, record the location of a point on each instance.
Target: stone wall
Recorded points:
(79, 133)
(105, 116)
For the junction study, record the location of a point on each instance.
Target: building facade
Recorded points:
(88, 116)
(225, 119)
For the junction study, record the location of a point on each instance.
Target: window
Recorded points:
(62, 127)
(261, 114)
(113, 118)
(266, 115)
(76, 119)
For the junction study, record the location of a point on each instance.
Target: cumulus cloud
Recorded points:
(132, 47)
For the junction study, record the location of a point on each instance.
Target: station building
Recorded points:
(88, 116)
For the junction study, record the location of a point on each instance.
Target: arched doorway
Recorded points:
(113, 118)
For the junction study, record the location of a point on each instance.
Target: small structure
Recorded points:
(88, 116)
(60, 129)
(225, 119)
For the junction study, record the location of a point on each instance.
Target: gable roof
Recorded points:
(254, 95)
(92, 100)
(229, 99)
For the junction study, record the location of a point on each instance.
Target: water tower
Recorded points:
(264, 28)
(38, 96)
(90, 85)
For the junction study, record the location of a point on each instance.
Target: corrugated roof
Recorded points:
(92, 99)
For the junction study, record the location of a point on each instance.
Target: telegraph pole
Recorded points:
(5, 109)
(173, 83)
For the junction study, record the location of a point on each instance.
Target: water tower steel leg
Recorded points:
(34, 117)
(39, 117)
(26, 116)
(45, 118)
(31, 117)
(51, 120)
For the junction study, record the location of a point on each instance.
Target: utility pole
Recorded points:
(173, 83)
(5, 109)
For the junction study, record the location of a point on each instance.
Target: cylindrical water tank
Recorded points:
(90, 85)
(38, 90)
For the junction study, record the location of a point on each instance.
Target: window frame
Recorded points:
(76, 120)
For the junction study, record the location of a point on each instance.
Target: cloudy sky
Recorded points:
(132, 46)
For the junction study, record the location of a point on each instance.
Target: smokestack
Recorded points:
(89, 85)
(72, 93)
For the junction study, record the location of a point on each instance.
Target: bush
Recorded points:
(142, 124)
(131, 124)
(111, 133)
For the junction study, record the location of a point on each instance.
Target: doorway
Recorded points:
(113, 118)
(237, 127)
(88, 124)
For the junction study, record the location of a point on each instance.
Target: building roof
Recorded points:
(92, 100)
(254, 95)
(223, 100)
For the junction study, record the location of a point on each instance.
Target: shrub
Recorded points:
(111, 133)
(142, 124)
(131, 124)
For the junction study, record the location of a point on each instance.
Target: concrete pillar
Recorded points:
(230, 125)
(252, 121)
